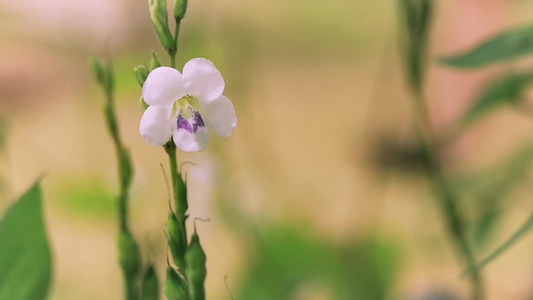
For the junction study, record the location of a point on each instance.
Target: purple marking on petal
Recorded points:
(190, 124)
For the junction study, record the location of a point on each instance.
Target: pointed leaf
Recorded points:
(504, 89)
(415, 21)
(507, 45)
(25, 260)
(506, 245)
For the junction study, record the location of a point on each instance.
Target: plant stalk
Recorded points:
(125, 175)
(447, 198)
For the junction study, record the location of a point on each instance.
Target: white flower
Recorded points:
(185, 106)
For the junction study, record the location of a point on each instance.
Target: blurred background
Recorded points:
(315, 196)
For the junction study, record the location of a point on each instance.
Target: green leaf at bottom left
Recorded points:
(25, 259)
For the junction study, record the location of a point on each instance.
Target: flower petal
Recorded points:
(163, 86)
(202, 79)
(156, 125)
(192, 141)
(219, 115)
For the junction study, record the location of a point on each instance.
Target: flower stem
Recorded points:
(447, 198)
(174, 51)
(180, 197)
(124, 167)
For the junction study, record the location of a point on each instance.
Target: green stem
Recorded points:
(125, 175)
(180, 202)
(170, 149)
(178, 186)
(173, 61)
(447, 199)
(124, 169)
(174, 51)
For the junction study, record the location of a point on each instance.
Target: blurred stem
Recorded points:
(125, 175)
(125, 178)
(447, 198)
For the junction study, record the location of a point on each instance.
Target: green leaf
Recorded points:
(25, 259)
(496, 184)
(488, 188)
(415, 21)
(506, 245)
(150, 285)
(504, 89)
(504, 46)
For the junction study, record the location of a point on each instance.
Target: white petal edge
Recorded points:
(191, 142)
(163, 86)
(202, 79)
(219, 116)
(156, 125)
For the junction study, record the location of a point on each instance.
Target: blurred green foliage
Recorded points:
(25, 258)
(416, 17)
(507, 45)
(87, 196)
(493, 187)
(506, 89)
(488, 188)
(515, 237)
(287, 258)
(150, 284)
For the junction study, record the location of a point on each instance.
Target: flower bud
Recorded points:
(128, 253)
(109, 76)
(141, 73)
(176, 240)
(103, 72)
(196, 271)
(155, 62)
(150, 285)
(126, 170)
(159, 16)
(180, 7)
(96, 67)
(182, 205)
(175, 287)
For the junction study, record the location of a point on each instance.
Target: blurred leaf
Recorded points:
(504, 46)
(25, 259)
(506, 89)
(490, 186)
(515, 237)
(150, 284)
(285, 259)
(367, 269)
(290, 258)
(415, 20)
(485, 224)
